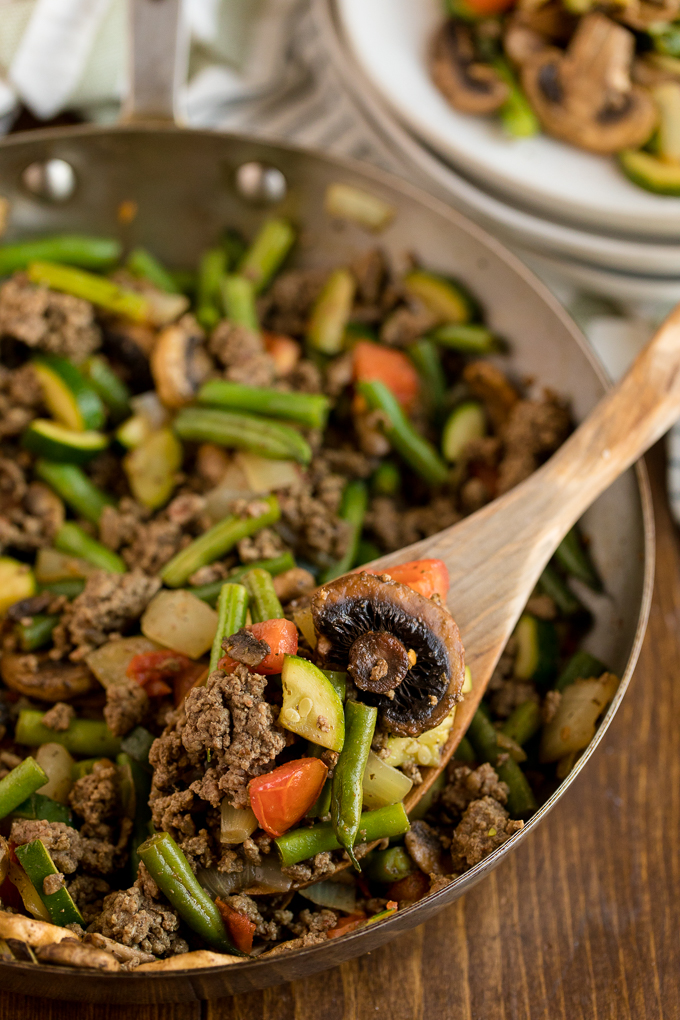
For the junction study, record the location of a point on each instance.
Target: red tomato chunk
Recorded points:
(429, 577)
(151, 669)
(239, 927)
(393, 368)
(281, 798)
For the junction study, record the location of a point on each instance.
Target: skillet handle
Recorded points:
(159, 47)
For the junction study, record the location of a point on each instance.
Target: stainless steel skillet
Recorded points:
(151, 182)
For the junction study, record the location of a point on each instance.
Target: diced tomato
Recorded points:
(412, 888)
(483, 8)
(281, 798)
(347, 924)
(284, 351)
(282, 638)
(193, 676)
(157, 688)
(151, 669)
(374, 361)
(425, 576)
(239, 927)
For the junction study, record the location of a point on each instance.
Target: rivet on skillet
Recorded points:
(260, 184)
(53, 180)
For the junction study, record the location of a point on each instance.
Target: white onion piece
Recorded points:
(383, 784)
(149, 407)
(51, 565)
(305, 624)
(109, 662)
(265, 475)
(237, 824)
(335, 895)
(573, 725)
(179, 620)
(345, 202)
(57, 763)
(266, 876)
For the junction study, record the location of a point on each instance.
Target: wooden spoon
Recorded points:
(496, 556)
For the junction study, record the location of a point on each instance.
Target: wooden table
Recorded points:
(582, 923)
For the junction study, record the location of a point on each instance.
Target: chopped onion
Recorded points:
(266, 876)
(233, 485)
(347, 203)
(179, 620)
(383, 784)
(237, 824)
(265, 475)
(305, 624)
(57, 763)
(149, 407)
(573, 725)
(335, 895)
(109, 662)
(51, 566)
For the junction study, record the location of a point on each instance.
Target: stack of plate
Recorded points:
(567, 213)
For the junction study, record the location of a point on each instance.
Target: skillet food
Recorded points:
(604, 77)
(209, 710)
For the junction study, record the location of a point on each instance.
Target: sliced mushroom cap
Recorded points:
(38, 676)
(469, 85)
(585, 96)
(640, 14)
(377, 627)
(179, 362)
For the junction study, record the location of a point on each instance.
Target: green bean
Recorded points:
(73, 540)
(516, 113)
(83, 768)
(387, 866)
(415, 450)
(211, 269)
(21, 782)
(235, 247)
(184, 281)
(38, 865)
(74, 249)
(482, 735)
(36, 634)
(243, 431)
(264, 602)
(465, 751)
(348, 775)
(71, 587)
(339, 681)
(572, 556)
(552, 584)
(331, 312)
(309, 409)
(75, 488)
(232, 609)
(217, 541)
(238, 300)
(352, 510)
(172, 873)
(137, 743)
(386, 479)
(84, 736)
(301, 844)
(425, 356)
(97, 289)
(142, 263)
(582, 665)
(40, 807)
(108, 386)
(277, 565)
(523, 723)
(265, 255)
(141, 785)
(321, 807)
(466, 338)
(366, 552)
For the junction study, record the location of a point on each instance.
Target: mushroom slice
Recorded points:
(402, 649)
(470, 86)
(585, 96)
(640, 14)
(30, 931)
(38, 676)
(191, 961)
(72, 953)
(179, 362)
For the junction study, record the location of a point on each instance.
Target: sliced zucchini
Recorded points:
(56, 442)
(152, 468)
(331, 312)
(467, 338)
(70, 399)
(311, 707)
(538, 650)
(16, 582)
(650, 172)
(134, 431)
(444, 298)
(667, 98)
(465, 423)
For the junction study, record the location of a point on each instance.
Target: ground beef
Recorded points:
(126, 706)
(144, 544)
(488, 383)
(241, 351)
(30, 513)
(288, 303)
(94, 797)
(88, 892)
(21, 399)
(483, 828)
(304, 377)
(466, 784)
(64, 844)
(370, 272)
(137, 921)
(42, 318)
(407, 324)
(394, 527)
(101, 855)
(58, 718)
(313, 922)
(52, 883)
(108, 604)
(265, 545)
(510, 695)
(425, 848)
(532, 431)
(551, 703)
(309, 515)
(320, 865)
(242, 904)
(244, 647)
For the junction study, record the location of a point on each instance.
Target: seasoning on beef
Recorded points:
(52, 883)
(144, 544)
(425, 848)
(30, 514)
(483, 828)
(370, 272)
(406, 324)
(466, 784)
(133, 919)
(488, 383)
(20, 399)
(93, 797)
(244, 647)
(532, 430)
(288, 303)
(126, 705)
(108, 604)
(88, 892)
(42, 318)
(265, 545)
(58, 718)
(64, 844)
(242, 353)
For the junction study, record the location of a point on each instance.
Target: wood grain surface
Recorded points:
(582, 923)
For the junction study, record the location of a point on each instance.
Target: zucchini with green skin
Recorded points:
(49, 439)
(311, 707)
(467, 338)
(650, 172)
(39, 807)
(39, 866)
(69, 397)
(537, 650)
(331, 312)
(17, 581)
(447, 300)
(75, 488)
(465, 423)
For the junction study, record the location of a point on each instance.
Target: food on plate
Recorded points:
(603, 77)
(211, 716)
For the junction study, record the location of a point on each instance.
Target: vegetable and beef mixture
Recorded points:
(603, 76)
(208, 709)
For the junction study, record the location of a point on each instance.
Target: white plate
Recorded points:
(390, 39)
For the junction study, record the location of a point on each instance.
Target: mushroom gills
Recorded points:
(470, 85)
